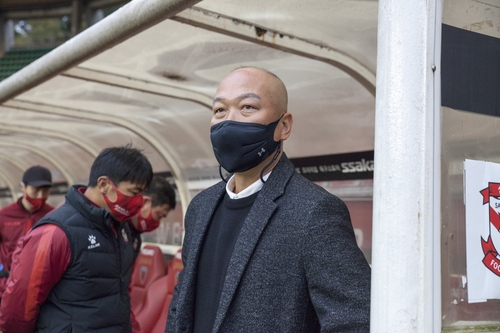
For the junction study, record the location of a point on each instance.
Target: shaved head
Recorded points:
(276, 88)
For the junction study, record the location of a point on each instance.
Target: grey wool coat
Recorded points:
(295, 266)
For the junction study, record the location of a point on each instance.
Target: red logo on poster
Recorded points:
(491, 195)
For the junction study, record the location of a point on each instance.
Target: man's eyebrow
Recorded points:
(242, 96)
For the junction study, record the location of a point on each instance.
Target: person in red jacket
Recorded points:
(17, 218)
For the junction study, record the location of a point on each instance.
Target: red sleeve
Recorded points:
(44, 257)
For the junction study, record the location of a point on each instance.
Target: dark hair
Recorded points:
(161, 192)
(121, 164)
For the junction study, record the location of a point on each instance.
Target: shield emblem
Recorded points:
(491, 260)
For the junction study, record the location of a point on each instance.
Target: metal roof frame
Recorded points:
(44, 154)
(232, 26)
(162, 147)
(53, 134)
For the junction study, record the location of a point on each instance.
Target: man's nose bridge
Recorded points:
(232, 113)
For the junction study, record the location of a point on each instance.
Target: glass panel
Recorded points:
(469, 28)
(465, 135)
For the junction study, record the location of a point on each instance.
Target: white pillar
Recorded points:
(406, 249)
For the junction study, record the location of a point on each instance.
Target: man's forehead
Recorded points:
(222, 97)
(246, 81)
(245, 84)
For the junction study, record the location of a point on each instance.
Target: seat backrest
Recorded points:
(162, 320)
(154, 302)
(153, 316)
(149, 266)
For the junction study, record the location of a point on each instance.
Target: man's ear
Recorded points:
(146, 206)
(147, 200)
(286, 126)
(103, 184)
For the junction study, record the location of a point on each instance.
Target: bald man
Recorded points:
(266, 250)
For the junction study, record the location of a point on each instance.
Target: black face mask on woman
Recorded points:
(240, 146)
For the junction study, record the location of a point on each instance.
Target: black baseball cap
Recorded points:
(37, 176)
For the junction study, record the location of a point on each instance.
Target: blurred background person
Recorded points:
(17, 218)
(159, 200)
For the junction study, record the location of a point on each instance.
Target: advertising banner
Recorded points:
(348, 166)
(482, 219)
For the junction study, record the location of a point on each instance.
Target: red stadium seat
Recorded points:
(153, 317)
(155, 300)
(162, 321)
(149, 266)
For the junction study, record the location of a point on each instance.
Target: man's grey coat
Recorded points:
(295, 266)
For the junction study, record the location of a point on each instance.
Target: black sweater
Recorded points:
(216, 252)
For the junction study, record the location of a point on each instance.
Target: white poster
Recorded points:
(482, 219)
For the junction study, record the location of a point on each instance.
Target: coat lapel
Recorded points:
(206, 210)
(257, 219)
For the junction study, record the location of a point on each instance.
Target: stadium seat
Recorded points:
(149, 266)
(162, 321)
(154, 303)
(153, 317)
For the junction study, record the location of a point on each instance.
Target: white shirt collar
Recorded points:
(254, 188)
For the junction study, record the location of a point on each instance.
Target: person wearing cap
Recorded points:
(17, 218)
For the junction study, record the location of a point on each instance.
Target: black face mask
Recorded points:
(240, 146)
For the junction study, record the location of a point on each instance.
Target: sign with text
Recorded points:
(348, 166)
(482, 223)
